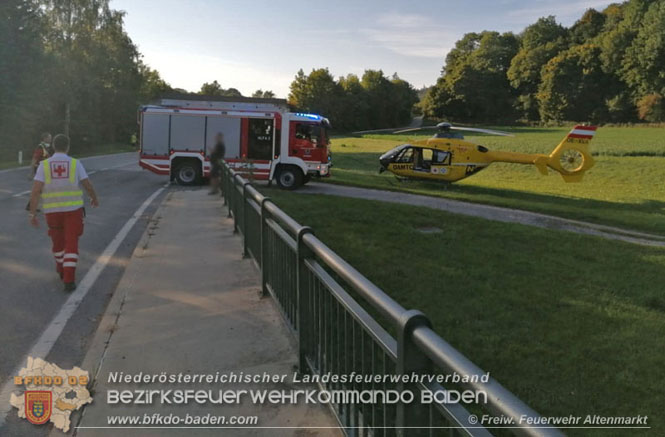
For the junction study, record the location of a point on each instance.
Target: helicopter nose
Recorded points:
(385, 160)
(384, 164)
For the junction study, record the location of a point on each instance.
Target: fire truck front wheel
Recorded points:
(289, 177)
(188, 172)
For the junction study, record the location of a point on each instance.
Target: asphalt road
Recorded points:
(31, 293)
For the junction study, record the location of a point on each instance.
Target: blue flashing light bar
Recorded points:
(310, 116)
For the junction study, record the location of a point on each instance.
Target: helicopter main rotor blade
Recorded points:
(485, 131)
(362, 132)
(414, 129)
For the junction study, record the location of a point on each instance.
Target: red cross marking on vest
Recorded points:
(59, 170)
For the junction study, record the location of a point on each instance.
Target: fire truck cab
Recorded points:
(264, 141)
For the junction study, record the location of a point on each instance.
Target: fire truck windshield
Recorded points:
(314, 133)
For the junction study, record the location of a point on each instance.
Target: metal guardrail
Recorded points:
(316, 291)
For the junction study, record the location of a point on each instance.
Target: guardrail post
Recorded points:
(234, 204)
(411, 360)
(223, 183)
(245, 204)
(230, 183)
(230, 201)
(303, 252)
(264, 246)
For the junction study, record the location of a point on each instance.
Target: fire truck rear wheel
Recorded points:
(188, 173)
(289, 178)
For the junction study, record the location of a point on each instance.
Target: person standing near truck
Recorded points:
(216, 158)
(58, 180)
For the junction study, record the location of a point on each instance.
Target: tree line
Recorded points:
(372, 101)
(68, 66)
(607, 67)
(215, 89)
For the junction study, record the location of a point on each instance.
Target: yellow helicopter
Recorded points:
(448, 157)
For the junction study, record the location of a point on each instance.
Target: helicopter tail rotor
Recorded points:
(572, 157)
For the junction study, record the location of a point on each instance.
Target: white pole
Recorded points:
(20, 157)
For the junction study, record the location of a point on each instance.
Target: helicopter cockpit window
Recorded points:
(405, 155)
(441, 158)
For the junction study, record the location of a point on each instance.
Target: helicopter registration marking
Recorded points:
(577, 140)
(402, 166)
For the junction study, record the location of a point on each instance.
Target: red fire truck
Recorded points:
(263, 140)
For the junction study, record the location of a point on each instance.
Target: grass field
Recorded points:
(7, 161)
(624, 188)
(571, 324)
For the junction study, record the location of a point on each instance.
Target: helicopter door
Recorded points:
(440, 161)
(403, 162)
(423, 160)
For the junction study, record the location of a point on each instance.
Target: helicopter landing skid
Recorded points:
(439, 184)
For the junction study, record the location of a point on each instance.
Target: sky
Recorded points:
(261, 44)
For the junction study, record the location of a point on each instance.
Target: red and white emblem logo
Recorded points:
(60, 169)
(38, 406)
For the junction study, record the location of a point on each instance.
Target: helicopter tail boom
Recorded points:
(572, 157)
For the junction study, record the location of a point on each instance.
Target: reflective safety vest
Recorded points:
(61, 194)
(44, 147)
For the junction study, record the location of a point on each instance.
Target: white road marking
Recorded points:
(50, 335)
(87, 158)
(124, 165)
(111, 168)
(22, 193)
(89, 173)
(13, 169)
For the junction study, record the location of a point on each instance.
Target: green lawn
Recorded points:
(571, 324)
(624, 188)
(10, 159)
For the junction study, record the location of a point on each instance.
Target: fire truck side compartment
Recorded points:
(155, 133)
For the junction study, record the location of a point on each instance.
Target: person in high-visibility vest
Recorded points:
(43, 151)
(57, 181)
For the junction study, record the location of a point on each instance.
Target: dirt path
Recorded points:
(488, 212)
(416, 121)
